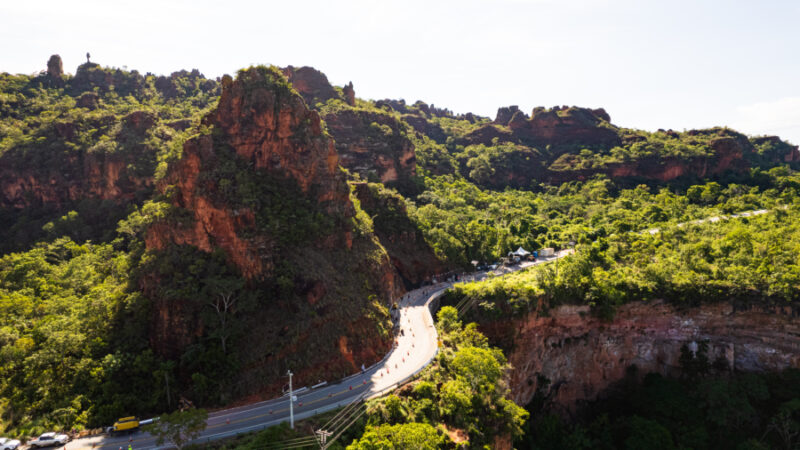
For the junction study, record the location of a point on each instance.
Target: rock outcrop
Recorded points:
(556, 126)
(81, 176)
(62, 176)
(349, 94)
(374, 145)
(505, 113)
(91, 75)
(269, 126)
(312, 84)
(326, 308)
(55, 68)
(571, 357)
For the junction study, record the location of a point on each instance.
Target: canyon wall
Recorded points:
(571, 357)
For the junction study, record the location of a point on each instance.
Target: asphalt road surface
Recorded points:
(415, 348)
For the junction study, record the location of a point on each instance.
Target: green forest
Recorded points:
(743, 260)
(79, 288)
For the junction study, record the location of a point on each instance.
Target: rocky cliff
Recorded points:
(411, 256)
(81, 176)
(55, 174)
(562, 136)
(98, 149)
(368, 142)
(374, 145)
(571, 357)
(268, 127)
(263, 186)
(557, 126)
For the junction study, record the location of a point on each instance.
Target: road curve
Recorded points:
(415, 348)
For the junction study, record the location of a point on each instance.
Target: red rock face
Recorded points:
(275, 130)
(213, 225)
(582, 356)
(373, 145)
(571, 125)
(82, 176)
(63, 176)
(272, 128)
(728, 155)
(263, 126)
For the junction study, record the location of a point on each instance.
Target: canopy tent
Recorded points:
(521, 252)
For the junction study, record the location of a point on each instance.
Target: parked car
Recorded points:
(48, 439)
(8, 444)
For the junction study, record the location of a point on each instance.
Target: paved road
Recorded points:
(415, 347)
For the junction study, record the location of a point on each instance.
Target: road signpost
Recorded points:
(291, 401)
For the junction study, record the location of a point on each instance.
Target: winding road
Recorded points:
(415, 348)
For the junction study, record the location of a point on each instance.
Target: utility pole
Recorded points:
(291, 402)
(323, 438)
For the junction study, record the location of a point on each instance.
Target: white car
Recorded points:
(48, 439)
(8, 444)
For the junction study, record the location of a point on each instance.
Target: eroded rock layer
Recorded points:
(572, 357)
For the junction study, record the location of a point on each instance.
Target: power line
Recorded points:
(332, 422)
(339, 434)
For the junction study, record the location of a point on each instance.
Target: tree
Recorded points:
(477, 366)
(448, 319)
(179, 428)
(409, 435)
(784, 425)
(223, 303)
(646, 434)
(456, 401)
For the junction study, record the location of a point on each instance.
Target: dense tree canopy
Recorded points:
(75, 313)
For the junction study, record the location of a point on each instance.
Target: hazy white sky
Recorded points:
(651, 64)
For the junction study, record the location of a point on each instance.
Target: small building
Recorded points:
(549, 251)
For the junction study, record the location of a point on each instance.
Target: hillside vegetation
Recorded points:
(130, 205)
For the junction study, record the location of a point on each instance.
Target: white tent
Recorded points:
(521, 252)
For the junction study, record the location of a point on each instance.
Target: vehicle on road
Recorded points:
(8, 444)
(48, 439)
(125, 424)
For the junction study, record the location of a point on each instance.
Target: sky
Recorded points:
(651, 64)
